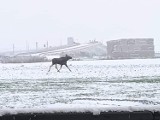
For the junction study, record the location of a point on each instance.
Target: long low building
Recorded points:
(130, 48)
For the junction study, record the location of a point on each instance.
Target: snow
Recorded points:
(94, 86)
(72, 48)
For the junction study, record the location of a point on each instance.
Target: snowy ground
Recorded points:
(110, 84)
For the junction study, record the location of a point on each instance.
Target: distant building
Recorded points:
(70, 41)
(130, 48)
(157, 55)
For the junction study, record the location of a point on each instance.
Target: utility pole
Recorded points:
(27, 46)
(36, 45)
(13, 48)
(47, 44)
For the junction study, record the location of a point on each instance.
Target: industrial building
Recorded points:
(130, 48)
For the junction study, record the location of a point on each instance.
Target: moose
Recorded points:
(61, 61)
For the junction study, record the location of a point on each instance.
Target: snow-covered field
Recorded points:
(91, 86)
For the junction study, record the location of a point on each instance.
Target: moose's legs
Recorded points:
(56, 67)
(50, 67)
(67, 67)
(59, 69)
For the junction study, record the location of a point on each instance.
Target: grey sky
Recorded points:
(55, 20)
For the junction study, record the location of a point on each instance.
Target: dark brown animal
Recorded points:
(61, 61)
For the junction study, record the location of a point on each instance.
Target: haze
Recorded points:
(29, 21)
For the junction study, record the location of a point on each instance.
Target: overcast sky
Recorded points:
(31, 21)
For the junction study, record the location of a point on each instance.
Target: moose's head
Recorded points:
(68, 57)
